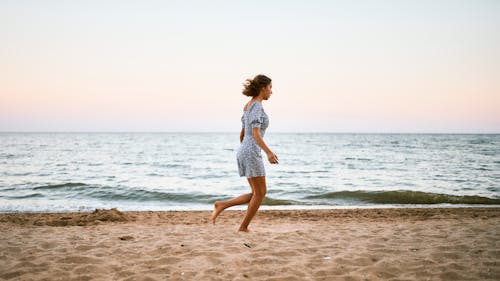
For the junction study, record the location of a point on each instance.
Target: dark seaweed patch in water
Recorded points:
(405, 197)
(479, 141)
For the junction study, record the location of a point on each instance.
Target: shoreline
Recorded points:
(103, 216)
(271, 208)
(338, 244)
(114, 215)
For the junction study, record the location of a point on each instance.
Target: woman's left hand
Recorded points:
(272, 157)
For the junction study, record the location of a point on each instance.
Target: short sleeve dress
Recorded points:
(249, 156)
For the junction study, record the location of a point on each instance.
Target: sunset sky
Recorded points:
(337, 66)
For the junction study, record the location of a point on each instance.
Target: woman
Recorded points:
(254, 124)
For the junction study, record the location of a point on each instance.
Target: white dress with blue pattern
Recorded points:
(249, 156)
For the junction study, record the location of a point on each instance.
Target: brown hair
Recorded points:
(253, 86)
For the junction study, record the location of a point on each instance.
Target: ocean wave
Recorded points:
(405, 197)
(279, 202)
(63, 185)
(142, 195)
(75, 190)
(27, 196)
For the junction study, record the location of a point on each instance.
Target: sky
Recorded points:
(179, 66)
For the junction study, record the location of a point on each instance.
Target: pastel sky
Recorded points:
(337, 66)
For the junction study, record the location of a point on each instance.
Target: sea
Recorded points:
(61, 172)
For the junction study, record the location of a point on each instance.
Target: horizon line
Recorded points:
(236, 132)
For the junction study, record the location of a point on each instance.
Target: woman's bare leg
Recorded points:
(260, 189)
(220, 206)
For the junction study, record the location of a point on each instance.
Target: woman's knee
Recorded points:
(259, 185)
(260, 192)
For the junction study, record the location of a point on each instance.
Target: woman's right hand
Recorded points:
(273, 158)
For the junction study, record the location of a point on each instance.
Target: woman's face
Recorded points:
(267, 91)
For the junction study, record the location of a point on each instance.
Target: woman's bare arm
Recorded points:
(273, 158)
(242, 134)
(259, 140)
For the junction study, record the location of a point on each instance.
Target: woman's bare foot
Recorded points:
(217, 209)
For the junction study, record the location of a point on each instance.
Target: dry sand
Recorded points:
(357, 244)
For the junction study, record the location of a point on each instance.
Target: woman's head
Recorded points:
(259, 84)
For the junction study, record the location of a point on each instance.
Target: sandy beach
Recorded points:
(349, 244)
